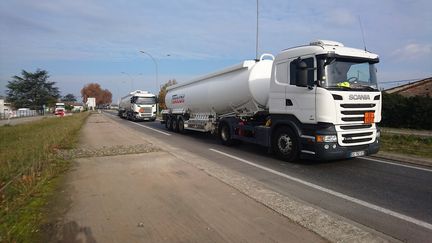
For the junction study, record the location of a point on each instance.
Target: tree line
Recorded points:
(34, 90)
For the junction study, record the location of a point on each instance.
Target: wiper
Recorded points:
(364, 87)
(339, 87)
(368, 88)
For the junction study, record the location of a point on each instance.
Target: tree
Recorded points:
(103, 96)
(32, 90)
(163, 91)
(69, 98)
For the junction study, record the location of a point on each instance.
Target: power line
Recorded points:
(400, 81)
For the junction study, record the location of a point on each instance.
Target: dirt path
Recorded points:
(154, 197)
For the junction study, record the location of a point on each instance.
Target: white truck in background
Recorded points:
(59, 109)
(138, 105)
(318, 101)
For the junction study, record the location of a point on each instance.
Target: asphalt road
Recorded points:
(388, 196)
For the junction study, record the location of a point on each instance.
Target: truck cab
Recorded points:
(59, 109)
(327, 95)
(138, 105)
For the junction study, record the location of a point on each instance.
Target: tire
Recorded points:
(168, 123)
(285, 144)
(180, 125)
(225, 135)
(174, 123)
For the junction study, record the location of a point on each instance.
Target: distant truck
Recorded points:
(318, 101)
(59, 109)
(138, 105)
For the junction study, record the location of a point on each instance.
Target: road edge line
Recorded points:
(334, 193)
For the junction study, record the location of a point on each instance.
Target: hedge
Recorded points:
(406, 112)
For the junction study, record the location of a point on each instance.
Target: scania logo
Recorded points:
(359, 97)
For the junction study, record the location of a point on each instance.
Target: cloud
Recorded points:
(413, 51)
(341, 17)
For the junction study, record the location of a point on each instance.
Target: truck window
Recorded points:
(145, 100)
(282, 73)
(293, 69)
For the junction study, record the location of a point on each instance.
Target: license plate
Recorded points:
(357, 153)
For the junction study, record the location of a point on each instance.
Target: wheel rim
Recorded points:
(285, 144)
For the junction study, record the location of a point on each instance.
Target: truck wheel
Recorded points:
(174, 123)
(225, 135)
(180, 125)
(168, 123)
(285, 144)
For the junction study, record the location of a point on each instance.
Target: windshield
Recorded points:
(350, 75)
(145, 100)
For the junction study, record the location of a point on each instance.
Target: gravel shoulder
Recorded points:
(155, 196)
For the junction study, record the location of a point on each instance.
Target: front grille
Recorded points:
(361, 140)
(356, 127)
(351, 137)
(146, 110)
(357, 105)
(357, 135)
(351, 119)
(355, 112)
(352, 130)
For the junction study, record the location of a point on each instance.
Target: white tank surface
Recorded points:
(243, 88)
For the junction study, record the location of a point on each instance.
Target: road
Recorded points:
(388, 196)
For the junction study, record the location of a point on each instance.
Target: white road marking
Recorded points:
(156, 130)
(392, 163)
(334, 193)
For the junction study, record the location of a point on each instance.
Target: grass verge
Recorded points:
(28, 171)
(407, 144)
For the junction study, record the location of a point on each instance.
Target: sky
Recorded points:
(99, 41)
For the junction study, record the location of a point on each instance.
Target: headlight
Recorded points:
(326, 138)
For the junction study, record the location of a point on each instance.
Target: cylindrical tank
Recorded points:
(244, 86)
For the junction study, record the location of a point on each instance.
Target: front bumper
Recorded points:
(333, 151)
(145, 116)
(310, 149)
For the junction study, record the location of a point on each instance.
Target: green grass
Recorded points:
(407, 144)
(28, 168)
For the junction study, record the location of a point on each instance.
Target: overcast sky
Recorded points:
(83, 41)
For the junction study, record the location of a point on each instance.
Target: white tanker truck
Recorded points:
(138, 105)
(318, 101)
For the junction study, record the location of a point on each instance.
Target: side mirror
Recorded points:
(301, 74)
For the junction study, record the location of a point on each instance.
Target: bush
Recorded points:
(406, 112)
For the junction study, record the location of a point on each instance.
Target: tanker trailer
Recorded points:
(138, 105)
(318, 101)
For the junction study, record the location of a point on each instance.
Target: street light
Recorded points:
(132, 86)
(157, 77)
(156, 66)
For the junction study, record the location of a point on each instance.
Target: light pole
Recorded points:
(156, 68)
(130, 79)
(257, 33)
(157, 77)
